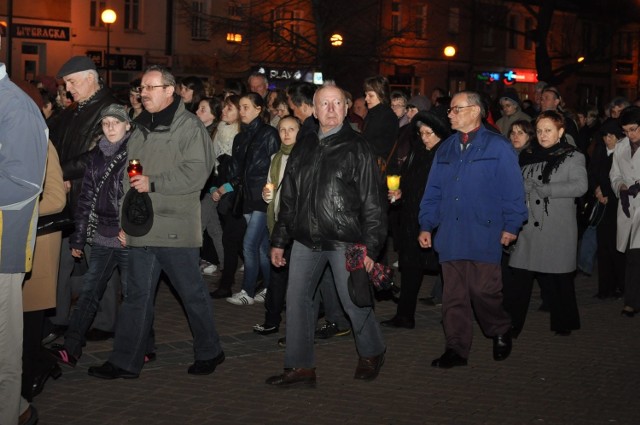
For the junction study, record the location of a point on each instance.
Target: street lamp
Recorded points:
(336, 40)
(108, 16)
(449, 52)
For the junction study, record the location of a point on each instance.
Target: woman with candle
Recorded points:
(429, 129)
(554, 175)
(97, 227)
(288, 128)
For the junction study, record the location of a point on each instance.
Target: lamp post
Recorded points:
(336, 40)
(449, 52)
(108, 16)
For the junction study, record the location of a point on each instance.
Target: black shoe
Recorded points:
(431, 301)
(329, 330)
(282, 342)
(95, 334)
(56, 332)
(544, 307)
(38, 382)
(400, 322)
(206, 367)
(111, 371)
(220, 293)
(58, 352)
(449, 359)
(563, 332)
(501, 347)
(150, 357)
(265, 329)
(628, 313)
(29, 417)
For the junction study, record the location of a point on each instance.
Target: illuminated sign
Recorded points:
(40, 32)
(509, 77)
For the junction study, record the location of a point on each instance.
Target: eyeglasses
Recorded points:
(150, 88)
(425, 133)
(456, 109)
(631, 130)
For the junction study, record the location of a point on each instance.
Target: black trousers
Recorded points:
(561, 294)
(233, 229)
(274, 303)
(611, 262)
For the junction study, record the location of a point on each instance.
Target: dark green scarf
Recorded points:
(274, 174)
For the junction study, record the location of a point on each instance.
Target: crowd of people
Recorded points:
(304, 186)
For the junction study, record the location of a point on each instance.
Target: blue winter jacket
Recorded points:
(472, 196)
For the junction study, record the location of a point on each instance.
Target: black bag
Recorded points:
(590, 211)
(238, 200)
(58, 222)
(225, 204)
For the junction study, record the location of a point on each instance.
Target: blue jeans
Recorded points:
(588, 248)
(306, 268)
(256, 251)
(102, 263)
(136, 315)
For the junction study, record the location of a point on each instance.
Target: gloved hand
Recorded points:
(529, 185)
(624, 201)
(544, 190)
(634, 189)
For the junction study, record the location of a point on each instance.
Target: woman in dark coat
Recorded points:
(429, 129)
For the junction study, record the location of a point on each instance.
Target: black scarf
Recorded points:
(553, 157)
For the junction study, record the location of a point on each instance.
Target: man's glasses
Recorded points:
(150, 88)
(456, 109)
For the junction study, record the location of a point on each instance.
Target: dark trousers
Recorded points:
(560, 288)
(632, 279)
(274, 303)
(411, 282)
(36, 360)
(472, 286)
(233, 229)
(611, 262)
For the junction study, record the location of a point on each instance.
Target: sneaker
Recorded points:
(282, 342)
(240, 298)
(265, 329)
(395, 265)
(261, 296)
(330, 329)
(241, 269)
(61, 354)
(210, 269)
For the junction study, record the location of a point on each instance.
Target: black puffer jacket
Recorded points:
(332, 195)
(75, 131)
(250, 160)
(107, 204)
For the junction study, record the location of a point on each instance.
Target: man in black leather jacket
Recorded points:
(75, 131)
(331, 198)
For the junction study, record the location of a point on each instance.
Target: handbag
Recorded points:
(590, 211)
(238, 200)
(58, 222)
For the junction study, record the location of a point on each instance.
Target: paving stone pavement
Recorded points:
(590, 377)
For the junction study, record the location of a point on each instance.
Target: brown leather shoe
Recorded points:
(294, 376)
(369, 367)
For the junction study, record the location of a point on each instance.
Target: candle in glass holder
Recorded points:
(134, 167)
(269, 195)
(393, 182)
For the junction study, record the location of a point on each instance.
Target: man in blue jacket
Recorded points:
(23, 155)
(475, 200)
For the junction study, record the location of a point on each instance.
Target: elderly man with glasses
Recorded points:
(474, 203)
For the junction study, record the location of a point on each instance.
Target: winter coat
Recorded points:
(626, 170)
(251, 158)
(415, 172)
(107, 207)
(505, 122)
(381, 130)
(332, 194)
(472, 196)
(548, 241)
(75, 131)
(177, 156)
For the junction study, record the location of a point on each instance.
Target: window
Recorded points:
(396, 18)
(421, 21)
(198, 27)
(132, 14)
(234, 9)
(528, 28)
(623, 45)
(513, 28)
(454, 20)
(285, 25)
(96, 9)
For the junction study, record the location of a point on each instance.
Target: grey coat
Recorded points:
(548, 241)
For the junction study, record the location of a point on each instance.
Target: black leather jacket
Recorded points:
(74, 132)
(251, 157)
(332, 195)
